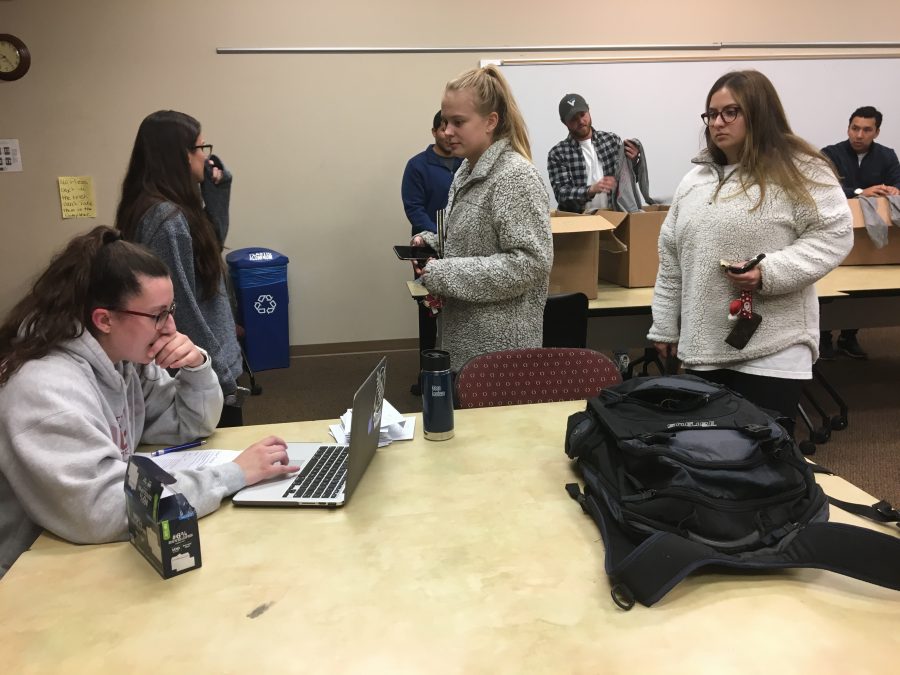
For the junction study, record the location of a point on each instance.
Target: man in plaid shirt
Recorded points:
(584, 168)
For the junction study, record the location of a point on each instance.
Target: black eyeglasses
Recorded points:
(159, 319)
(728, 114)
(206, 148)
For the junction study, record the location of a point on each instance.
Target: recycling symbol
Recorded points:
(265, 304)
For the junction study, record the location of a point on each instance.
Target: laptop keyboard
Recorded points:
(324, 475)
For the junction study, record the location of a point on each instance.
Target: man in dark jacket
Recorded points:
(426, 180)
(424, 190)
(866, 169)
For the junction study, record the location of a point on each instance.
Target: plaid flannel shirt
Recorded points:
(568, 171)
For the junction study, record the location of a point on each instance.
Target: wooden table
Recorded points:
(464, 556)
(861, 296)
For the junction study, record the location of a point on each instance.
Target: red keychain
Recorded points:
(747, 320)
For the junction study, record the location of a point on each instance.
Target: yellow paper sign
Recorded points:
(76, 197)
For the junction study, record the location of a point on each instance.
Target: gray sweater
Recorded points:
(68, 424)
(497, 257)
(802, 244)
(209, 323)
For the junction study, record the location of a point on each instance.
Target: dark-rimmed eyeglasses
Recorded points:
(159, 319)
(728, 114)
(206, 148)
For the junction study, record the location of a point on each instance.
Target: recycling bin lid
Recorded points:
(256, 256)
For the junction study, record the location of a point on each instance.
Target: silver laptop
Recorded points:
(328, 473)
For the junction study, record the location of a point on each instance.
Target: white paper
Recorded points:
(194, 459)
(10, 156)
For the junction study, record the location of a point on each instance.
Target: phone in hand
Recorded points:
(420, 253)
(746, 267)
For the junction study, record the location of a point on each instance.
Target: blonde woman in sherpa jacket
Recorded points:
(757, 188)
(498, 250)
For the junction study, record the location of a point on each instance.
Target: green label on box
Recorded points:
(165, 530)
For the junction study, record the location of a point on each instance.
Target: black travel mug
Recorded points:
(437, 394)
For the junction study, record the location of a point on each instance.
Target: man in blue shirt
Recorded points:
(426, 183)
(426, 180)
(866, 169)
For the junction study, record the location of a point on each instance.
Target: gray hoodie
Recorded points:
(69, 422)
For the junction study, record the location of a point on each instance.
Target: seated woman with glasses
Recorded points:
(757, 189)
(162, 207)
(83, 381)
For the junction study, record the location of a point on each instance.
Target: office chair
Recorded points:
(565, 320)
(537, 375)
(822, 433)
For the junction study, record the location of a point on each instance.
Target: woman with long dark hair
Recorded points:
(757, 189)
(83, 380)
(161, 207)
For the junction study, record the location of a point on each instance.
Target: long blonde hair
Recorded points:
(771, 148)
(491, 93)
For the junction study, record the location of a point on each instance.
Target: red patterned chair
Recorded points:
(537, 375)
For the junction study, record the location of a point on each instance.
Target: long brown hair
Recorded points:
(491, 93)
(97, 269)
(771, 149)
(159, 171)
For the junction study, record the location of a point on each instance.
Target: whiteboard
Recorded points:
(659, 102)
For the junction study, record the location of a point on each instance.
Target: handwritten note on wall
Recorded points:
(76, 197)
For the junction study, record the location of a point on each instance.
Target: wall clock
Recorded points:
(15, 59)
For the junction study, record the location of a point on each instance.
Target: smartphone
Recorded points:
(415, 252)
(746, 267)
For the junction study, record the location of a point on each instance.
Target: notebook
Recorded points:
(328, 473)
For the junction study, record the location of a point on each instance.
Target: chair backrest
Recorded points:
(538, 375)
(565, 320)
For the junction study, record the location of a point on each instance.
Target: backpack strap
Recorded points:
(880, 512)
(647, 570)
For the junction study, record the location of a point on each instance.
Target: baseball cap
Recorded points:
(571, 104)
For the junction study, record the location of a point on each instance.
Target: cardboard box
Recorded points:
(864, 251)
(163, 529)
(576, 248)
(630, 257)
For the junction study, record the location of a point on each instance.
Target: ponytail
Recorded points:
(492, 93)
(97, 269)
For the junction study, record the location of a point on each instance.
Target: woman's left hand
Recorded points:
(750, 280)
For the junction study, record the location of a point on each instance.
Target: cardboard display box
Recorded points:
(864, 251)
(576, 247)
(630, 256)
(163, 529)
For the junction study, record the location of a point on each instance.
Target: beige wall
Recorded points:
(317, 143)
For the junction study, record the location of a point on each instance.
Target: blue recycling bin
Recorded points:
(259, 278)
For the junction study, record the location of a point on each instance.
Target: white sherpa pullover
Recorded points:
(802, 244)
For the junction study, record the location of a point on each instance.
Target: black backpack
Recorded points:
(680, 473)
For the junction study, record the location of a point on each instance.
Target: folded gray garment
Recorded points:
(875, 226)
(894, 201)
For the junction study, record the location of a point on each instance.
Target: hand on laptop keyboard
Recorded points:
(264, 459)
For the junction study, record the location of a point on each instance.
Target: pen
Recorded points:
(176, 448)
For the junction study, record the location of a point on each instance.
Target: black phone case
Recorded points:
(427, 252)
(744, 329)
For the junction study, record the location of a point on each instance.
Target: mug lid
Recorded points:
(434, 360)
